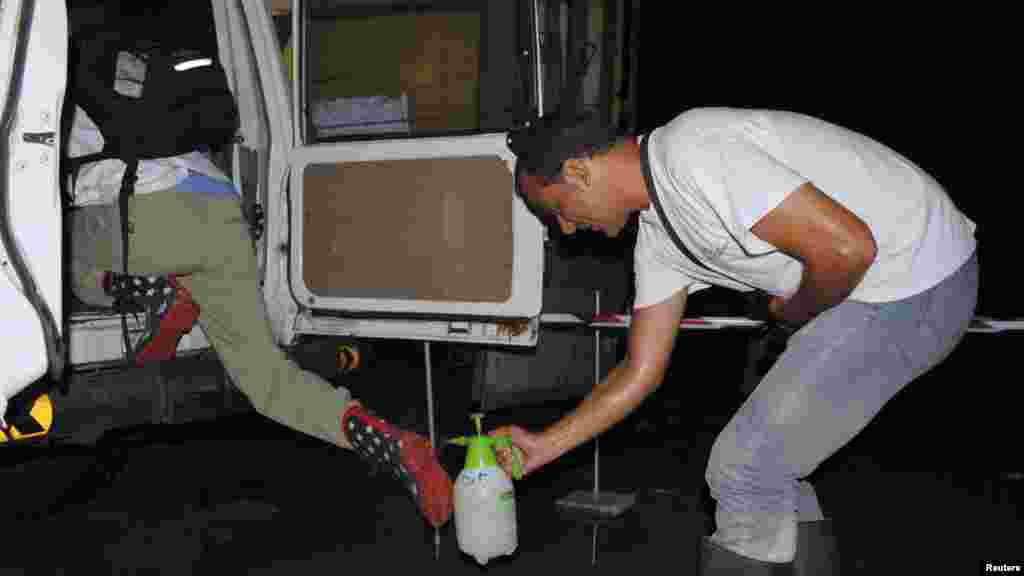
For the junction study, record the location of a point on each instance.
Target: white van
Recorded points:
(351, 112)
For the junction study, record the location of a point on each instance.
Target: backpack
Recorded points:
(148, 74)
(178, 101)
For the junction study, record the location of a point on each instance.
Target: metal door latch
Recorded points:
(44, 138)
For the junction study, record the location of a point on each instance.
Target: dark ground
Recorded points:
(933, 484)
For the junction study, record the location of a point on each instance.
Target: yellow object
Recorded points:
(424, 74)
(348, 358)
(41, 412)
(286, 56)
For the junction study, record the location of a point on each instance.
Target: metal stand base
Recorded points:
(594, 505)
(603, 504)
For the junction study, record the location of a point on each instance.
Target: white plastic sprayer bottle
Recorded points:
(485, 503)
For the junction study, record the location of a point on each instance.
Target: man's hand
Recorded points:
(834, 245)
(532, 452)
(775, 308)
(652, 336)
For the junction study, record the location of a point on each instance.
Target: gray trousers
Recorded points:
(835, 375)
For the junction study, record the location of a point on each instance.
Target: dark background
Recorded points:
(936, 86)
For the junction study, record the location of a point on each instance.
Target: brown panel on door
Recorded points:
(425, 229)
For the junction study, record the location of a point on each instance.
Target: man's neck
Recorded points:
(629, 175)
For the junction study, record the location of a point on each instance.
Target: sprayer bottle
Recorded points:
(485, 504)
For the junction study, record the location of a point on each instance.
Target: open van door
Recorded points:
(33, 62)
(400, 219)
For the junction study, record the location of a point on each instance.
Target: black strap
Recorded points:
(645, 167)
(127, 187)
(72, 166)
(126, 190)
(757, 300)
(19, 410)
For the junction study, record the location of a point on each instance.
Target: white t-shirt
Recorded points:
(718, 171)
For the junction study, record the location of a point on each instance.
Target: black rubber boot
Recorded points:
(816, 551)
(716, 560)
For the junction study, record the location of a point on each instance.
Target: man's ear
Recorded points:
(577, 172)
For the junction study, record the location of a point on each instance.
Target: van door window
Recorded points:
(400, 69)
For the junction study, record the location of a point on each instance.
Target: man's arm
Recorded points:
(652, 337)
(834, 245)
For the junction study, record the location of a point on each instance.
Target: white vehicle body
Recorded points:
(275, 164)
(32, 82)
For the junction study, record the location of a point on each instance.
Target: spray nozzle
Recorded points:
(481, 448)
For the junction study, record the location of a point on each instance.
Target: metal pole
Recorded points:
(597, 380)
(538, 59)
(433, 435)
(597, 448)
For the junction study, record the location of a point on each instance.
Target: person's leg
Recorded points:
(179, 233)
(208, 239)
(835, 376)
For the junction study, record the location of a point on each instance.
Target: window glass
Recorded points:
(409, 68)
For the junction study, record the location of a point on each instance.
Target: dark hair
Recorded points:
(544, 145)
